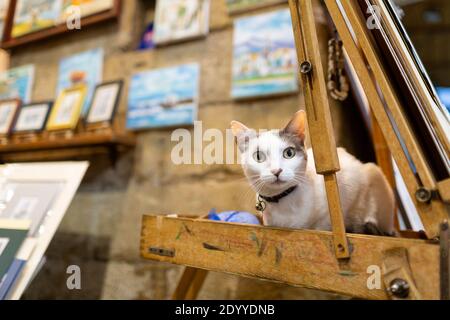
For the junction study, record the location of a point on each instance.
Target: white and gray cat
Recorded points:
(282, 172)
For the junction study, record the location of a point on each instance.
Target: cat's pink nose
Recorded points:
(276, 172)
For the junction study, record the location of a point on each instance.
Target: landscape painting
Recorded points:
(242, 5)
(17, 83)
(264, 56)
(35, 15)
(181, 19)
(164, 97)
(82, 68)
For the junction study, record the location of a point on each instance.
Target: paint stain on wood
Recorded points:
(347, 273)
(211, 247)
(261, 245)
(183, 229)
(278, 255)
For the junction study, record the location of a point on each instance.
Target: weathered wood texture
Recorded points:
(299, 258)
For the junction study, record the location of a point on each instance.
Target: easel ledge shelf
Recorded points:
(80, 145)
(300, 258)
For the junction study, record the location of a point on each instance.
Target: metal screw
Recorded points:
(306, 67)
(399, 288)
(423, 195)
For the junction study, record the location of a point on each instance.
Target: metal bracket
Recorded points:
(398, 277)
(162, 252)
(445, 261)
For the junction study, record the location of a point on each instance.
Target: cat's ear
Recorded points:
(297, 126)
(238, 128)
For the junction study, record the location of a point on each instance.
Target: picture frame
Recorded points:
(105, 102)
(33, 117)
(69, 176)
(34, 15)
(86, 8)
(9, 42)
(164, 97)
(265, 60)
(66, 111)
(180, 20)
(8, 112)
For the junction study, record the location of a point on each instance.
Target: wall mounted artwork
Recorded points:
(34, 15)
(264, 56)
(17, 83)
(85, 7)
(82, 68)
(177, 20)
(235, 6)
(164, 97)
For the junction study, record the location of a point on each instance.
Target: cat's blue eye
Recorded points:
(259, 156)
(289, 153)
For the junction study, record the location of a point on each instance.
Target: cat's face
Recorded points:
(273, 161)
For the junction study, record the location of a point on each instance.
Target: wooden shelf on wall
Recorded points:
(78, 146)
(10, 42)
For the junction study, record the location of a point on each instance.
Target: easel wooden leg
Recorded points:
(384, 158)
(190, 284)
(319, 116)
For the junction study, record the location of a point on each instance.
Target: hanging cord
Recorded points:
(337, 81)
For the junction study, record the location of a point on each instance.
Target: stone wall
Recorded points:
(101, 229)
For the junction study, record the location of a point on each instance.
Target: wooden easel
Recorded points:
(333, 261)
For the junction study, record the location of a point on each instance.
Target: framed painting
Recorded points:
(32, 117)
(17, 83)
(30, 183)
(237, 6)
(178, 20)
(12, 235)
(105, 102)
(81, 68)
(8, 113)
(264, 56)
(67, 109)
(164, 97)
(35, 15)
(29, 21)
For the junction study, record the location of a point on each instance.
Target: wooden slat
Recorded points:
(319, 117)
(190, 284)
(414, 76)
(314, 87)
(384, 158)
(430, 214)
(299, 258)
(444, 190)
(361, 33)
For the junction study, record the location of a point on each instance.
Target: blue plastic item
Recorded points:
(234, 216)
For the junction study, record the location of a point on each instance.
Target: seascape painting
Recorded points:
(164, 97)
(180, 19)
(264, 56)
